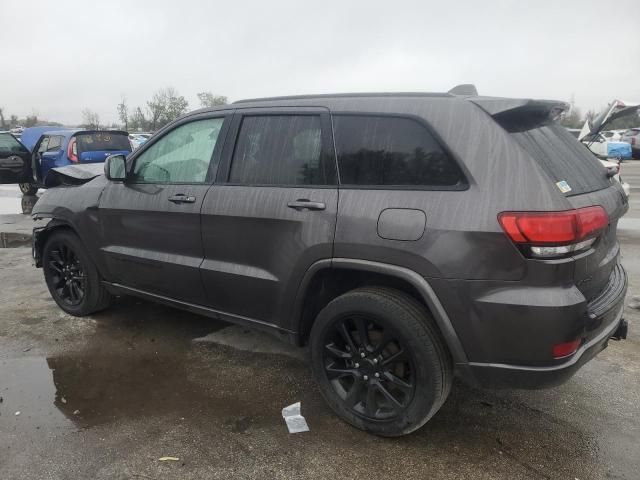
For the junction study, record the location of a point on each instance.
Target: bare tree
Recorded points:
(123, 112)
(3, 125)
(31, 120)
(176, 105)
(165, 106)
(156, 107)
(90, 119)
(208, 99)
(138, 120)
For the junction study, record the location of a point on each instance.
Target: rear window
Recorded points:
(563, 158)
(395, 151)
(102, 141)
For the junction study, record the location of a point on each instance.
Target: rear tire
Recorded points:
(28, 188)
(380, 361)
(71, 276)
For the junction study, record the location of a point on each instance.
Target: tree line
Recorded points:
(164, 106)
(29, 121)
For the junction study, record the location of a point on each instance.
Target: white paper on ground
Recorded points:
(295, 422)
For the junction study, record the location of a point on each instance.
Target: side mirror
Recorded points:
(115, 167)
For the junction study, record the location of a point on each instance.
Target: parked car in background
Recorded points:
(369, 227)
(605, 148)
(613, 165)
(615, 135)
(632, 136)
(14, 159)
(63, 147)
(138, 139)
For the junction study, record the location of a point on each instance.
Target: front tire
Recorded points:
(72, 278)
(380, 361)
(28, 188)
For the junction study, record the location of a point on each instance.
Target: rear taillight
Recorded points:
(562, 350)
(72, 150)
(554, 234)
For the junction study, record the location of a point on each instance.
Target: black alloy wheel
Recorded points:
(380, 361)
(73, 279)
(67, 275)
(368, 367)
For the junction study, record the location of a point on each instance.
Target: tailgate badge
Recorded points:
(563, 186)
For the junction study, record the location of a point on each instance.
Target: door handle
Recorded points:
(182, 198)
(303, 203)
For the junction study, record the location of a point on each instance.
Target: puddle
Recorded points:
(13, 240)
(141, 362)
(26, 386)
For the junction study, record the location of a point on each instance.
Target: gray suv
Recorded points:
(404, 237)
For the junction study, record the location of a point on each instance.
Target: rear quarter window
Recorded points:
(392, 151)
(563, 158)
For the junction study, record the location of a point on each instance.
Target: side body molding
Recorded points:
(416, 280)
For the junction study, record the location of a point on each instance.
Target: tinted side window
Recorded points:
(280, 150)
(181, 156)
(379, 150)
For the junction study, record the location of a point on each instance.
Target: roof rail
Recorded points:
(465, 89)
(347, 95)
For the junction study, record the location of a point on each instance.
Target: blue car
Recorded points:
(53, 147)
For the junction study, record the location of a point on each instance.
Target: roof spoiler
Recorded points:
(517, 115)
(464, 90)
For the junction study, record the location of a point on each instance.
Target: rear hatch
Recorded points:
(93, 147)
(579, 176)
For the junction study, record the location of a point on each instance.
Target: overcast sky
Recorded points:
(61, 57)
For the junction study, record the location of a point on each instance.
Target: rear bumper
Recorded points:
(518, 376)
(530, 335)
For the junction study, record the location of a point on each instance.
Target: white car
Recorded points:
(615, 135)
(612, 165)
(605, 147)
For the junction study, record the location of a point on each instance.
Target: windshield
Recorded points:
(103, 141)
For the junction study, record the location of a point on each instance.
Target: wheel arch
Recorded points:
(319, 286)
(42, 234)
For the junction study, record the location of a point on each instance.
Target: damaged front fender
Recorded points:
(73, 175)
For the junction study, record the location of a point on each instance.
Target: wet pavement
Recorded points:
(105, 397)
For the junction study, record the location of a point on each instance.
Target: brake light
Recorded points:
(565, 349)
(72, 150)
(553, 234)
